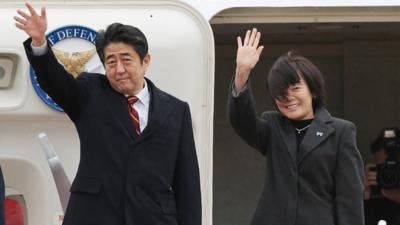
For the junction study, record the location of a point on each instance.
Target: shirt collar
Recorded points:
(144, 94)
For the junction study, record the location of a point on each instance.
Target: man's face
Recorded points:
(124, 69)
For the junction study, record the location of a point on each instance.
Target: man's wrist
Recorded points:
(38, 42)
(39, 50)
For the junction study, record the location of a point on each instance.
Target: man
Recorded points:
(380, 204)
(138, 163)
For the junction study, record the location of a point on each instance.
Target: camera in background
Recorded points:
(388, 173)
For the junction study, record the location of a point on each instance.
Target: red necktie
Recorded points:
(133, 113)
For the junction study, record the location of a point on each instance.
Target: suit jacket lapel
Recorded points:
(159, 111)
(316, 133)
(119, 107)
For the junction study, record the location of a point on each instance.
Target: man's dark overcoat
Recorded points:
(123, 179)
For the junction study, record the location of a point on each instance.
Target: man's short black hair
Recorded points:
(288, 69)
(126, 34)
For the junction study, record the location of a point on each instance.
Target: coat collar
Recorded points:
(316, 134)
(159, 110)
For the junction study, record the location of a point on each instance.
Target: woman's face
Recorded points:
(297, 104)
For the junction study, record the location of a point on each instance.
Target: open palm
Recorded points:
(34, 25)
(247, 56)
(248, 52)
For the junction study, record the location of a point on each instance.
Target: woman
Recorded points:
(314, 169)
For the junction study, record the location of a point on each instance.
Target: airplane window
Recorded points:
(6, 71)
(2, 72)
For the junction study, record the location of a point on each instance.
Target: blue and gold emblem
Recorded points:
(74, 47)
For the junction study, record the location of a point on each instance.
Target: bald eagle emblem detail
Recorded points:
(74, 62)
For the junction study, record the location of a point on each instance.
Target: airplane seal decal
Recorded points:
(74, 47)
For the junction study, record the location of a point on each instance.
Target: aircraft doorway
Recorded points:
(357, 50)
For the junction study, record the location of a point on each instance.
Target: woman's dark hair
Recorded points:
(288, 70)
(126, 34)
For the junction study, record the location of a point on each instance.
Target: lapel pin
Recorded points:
(319, 133)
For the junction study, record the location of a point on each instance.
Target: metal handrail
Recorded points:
(61, 180)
